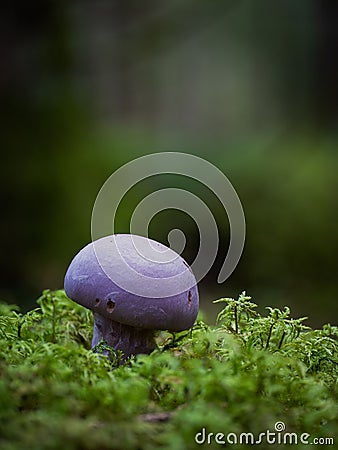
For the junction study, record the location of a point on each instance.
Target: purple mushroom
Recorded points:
(134, 286)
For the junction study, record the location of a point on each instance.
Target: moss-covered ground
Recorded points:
(241, 377)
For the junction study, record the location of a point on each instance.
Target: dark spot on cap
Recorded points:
(97, 302)
(189, 299)
(110, 306)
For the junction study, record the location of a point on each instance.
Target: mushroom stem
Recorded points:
(130, 340)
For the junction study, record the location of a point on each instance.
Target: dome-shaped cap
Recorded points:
(135, 281)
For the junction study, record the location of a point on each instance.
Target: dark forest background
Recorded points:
(249, 86)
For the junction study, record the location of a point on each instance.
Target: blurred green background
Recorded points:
(249, 86)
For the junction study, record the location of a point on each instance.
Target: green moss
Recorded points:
(242, 375)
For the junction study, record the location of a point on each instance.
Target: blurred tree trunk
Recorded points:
(326, 65)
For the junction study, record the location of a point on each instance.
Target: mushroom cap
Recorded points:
(135, 281)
